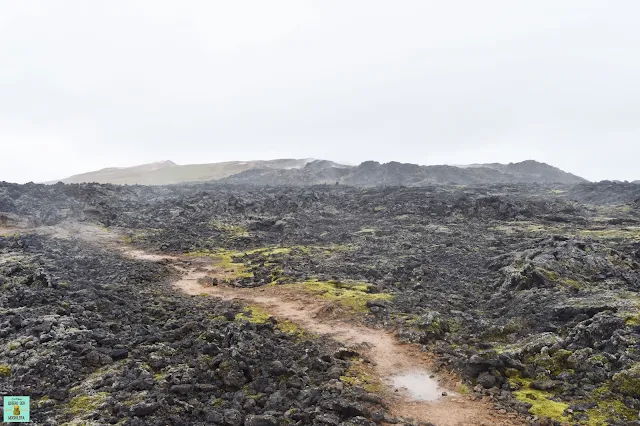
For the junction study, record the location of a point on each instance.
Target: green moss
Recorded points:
(542, 405)
(253, 314)
(353, 295)
(571, 283)
(610, 409)
(610, 406)
(511, 373)
(44, 401)
(64, 284)
(289, 327)
(358, 375)
(235, 231)
(454, 326)
(135, 399)
(14, 345)
(379, 208)
(463, 389)
(230, 265)
(514, 325)
(217, 318)
(627, 382)
(632, 319)
(5, 370)
(270, 251)
(598, 359)
(630, 232)
(84, 404)
(223, 261)
(552, 275)
(556, 362)
(257, 315)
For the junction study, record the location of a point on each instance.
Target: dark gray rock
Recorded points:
(486, 380)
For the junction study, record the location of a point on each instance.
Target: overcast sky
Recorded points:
(92, 84)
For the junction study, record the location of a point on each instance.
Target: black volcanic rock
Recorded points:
(515, 286)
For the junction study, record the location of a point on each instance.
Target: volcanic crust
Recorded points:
(521, 299)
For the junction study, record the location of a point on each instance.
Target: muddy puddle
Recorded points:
(419, 386)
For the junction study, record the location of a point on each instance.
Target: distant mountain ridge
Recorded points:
(373, 173)
(296, 172)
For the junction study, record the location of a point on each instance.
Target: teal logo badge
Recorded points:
(16, 409)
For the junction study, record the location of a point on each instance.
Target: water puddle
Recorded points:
(418, 386)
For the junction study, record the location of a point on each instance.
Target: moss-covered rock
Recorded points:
(85, 404)
(542, 405)
(627, 382)
(5, 370)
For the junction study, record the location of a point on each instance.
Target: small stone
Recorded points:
(345, 353)
(144, 409)
(118, 354)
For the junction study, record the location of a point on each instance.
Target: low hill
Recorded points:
(168, 172)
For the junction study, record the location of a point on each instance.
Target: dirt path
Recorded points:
(389, 358)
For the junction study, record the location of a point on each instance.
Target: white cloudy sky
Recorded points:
(91, 84)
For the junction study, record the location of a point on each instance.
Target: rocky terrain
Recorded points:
(305, 172)
(528, 292)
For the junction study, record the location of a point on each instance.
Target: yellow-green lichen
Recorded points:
(135, 399)
(552, 275)
(5, 370)
(627, 382)
(625, 233)
(463, 389)
(85, 404)
(358, 375)
(257, 315)
(632, 319)
(235, 231)
(223, 262)
(253, 314)
(541, 403)
(610, 406)
(556, 362)
(571, 283)
(351, 295)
